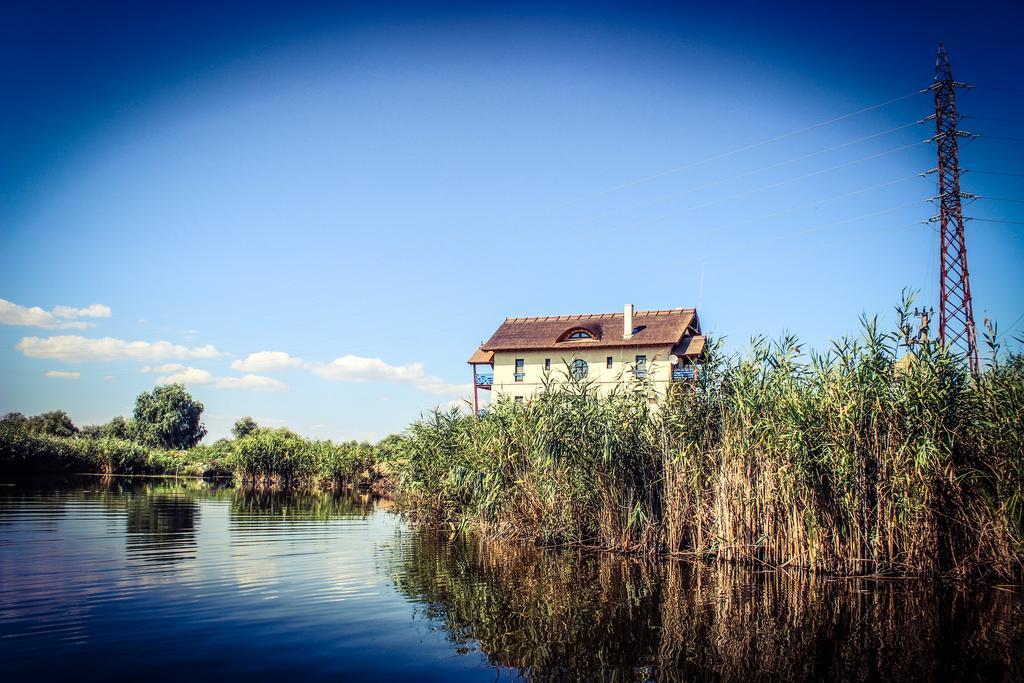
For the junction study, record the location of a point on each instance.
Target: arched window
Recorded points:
(579, 369)
(578, 334)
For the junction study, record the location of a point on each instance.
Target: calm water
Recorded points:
(163, 580)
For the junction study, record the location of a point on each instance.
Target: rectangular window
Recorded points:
(547, 363)
(608, 363)
(641, 366)
(520, 369)
(519, 399)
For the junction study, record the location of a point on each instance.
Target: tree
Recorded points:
(120, 428)
(244, 426)
(54, 423)
(14, 420)
(168, 417)
(117, 428)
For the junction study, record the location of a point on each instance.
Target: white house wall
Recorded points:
(659, 369)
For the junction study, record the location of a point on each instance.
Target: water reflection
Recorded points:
(164, 579)
(161, 527)
(278, 506)
(553, 616)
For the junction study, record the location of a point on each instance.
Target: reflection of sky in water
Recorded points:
(163, 582)
(168, 581)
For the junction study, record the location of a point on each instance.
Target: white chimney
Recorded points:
(627, 322)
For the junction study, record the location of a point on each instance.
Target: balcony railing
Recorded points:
(485, 380)
(682, 373)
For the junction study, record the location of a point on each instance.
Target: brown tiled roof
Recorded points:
(690, 347)
(481, 357)
(656, 328)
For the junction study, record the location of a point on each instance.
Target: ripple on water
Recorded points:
(164, 580)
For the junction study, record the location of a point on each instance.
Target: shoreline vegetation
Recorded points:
(882, 456)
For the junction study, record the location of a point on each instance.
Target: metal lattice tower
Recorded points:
(956, 314)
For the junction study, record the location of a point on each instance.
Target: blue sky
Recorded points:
(359, 196)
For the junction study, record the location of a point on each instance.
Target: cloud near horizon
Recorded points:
(266, 361)
(352, 368)
(181, 374)
(61, 374)
(75, 348)
(90, 311)
(57, 319)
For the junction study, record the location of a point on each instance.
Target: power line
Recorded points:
(746, 173)
(991, 118)
(745, 148)
(999, 137)
(1011, 175)
(817, 228)
(1001, 199)
(771, 186)
(995, 220)
(988, 87)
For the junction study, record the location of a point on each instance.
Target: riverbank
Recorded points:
(265, 458)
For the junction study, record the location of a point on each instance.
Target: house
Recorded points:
(605, 349)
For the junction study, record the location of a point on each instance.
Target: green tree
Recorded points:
(244, 426)
(168, 417)
(13, 420)
(117, 428)
(54, 423)
(120, 428)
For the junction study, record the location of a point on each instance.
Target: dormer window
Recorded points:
(578, 334)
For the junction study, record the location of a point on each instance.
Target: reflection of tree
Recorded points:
(161, 527)
(250, 505)
(564, 615)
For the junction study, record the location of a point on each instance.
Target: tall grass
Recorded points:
(879, 456)
(23, 452)
(281, 457)
(265, 457)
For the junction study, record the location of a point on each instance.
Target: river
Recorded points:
(162, 579)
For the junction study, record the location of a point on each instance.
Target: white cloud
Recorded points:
(463, 405)
(268, 361)
(351, 368)
(91, 311)
(76, 348)
(181, 374)
(251, 382)
(186, 376)
(60, 374)
(166, 367)
(436, 385)
(13, 314)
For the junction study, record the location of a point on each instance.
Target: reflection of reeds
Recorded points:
(279, 505)
(568, 615)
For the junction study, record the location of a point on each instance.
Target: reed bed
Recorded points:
(880, 456)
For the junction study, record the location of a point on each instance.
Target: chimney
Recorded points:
(627, 322)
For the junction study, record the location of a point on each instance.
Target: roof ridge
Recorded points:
(600, 316)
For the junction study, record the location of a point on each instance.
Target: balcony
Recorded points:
(683, 373)
(484, 380)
